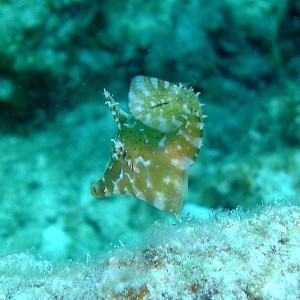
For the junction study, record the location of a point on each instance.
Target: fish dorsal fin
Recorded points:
(160, 104)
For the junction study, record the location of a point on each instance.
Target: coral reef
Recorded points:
(231, 256)
(256, 179)
(54, 53)
(55, 59)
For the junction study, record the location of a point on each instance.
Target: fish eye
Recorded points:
(118, 151)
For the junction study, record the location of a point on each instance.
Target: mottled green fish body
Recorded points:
(155, 145)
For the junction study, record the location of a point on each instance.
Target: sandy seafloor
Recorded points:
(238, 235)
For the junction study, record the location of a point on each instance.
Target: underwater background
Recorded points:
(56, 57)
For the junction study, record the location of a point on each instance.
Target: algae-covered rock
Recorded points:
(230, 256)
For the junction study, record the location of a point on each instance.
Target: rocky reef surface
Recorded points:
(230, 256)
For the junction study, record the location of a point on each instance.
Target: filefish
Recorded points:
(155, 145)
